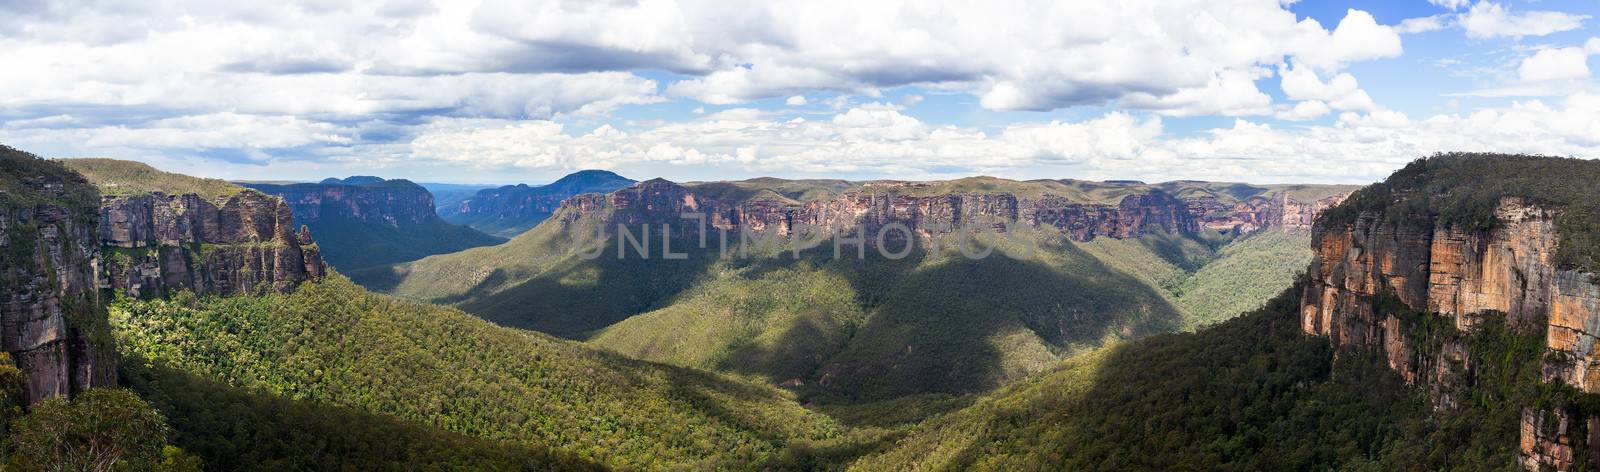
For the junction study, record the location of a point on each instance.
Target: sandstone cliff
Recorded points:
(1457, 274)
(157, 244)
(365, 221)
(51, 318)
(872, 206)
(393, 203)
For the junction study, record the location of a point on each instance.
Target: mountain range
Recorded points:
(512, 209)
(1440, 319)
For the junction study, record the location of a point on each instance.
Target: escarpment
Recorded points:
(158, 244)
(393, 203)
(874, 206)
(1459, 275)
(51, 318)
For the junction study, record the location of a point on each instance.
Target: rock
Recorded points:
(158, 244)
(50, 313)
(659, 201)
(394, 203)
(1460, 274)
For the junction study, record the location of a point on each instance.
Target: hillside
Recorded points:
(1443, 324)
(855, 329)
(439, 367)
(513, 209)
(366, 221)
(1252, 393)
(125, 178)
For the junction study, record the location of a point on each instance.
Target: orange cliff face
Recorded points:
(660, 201)
(1460, 275)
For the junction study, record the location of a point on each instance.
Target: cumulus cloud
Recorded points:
(878, 140)
(1555, 64)
(1340, 93)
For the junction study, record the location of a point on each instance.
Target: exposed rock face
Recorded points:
(51, 320)
(1259, 212)
(1460, 274)
(158, 244)
(928, 215)
(365, 199)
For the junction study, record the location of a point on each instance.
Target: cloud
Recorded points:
(1555, 64)
(1340, 93)
(877, 140)
(1305, 110)
(1424, 24)
(1488, 20)
(795, 101)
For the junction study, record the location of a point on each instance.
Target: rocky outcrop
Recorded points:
(51, 319)
(244, 243)
(874, 206)
(1458, 274)
(394, 203)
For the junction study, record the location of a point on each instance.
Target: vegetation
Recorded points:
(848, 330)
(231, 428)
(125, 178)
(16, 166)
(1251, 393)
(350, 245)
(1243, 276)
(98, 430)
(1452, 189)
(333, 344)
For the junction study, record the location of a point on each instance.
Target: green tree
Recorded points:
(100, 430)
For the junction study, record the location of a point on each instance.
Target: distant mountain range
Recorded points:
(510, 210)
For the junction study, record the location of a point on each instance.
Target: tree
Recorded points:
(96, 431)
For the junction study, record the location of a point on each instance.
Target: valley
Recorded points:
(1142, 316)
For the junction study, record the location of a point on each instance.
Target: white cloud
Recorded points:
(1451, 4)
(795, 101)
(1555, 64)
(1487, 20)
(1358, 37)
(877, 140)
(1305, 110)
(1424, 24)
(1340, 93)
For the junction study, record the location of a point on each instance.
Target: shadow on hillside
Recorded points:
(232, 428)
(964, 326)
(1251, 393)
(577, 296)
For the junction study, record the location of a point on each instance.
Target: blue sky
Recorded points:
(495, 91)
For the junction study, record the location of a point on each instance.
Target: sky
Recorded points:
(1262, 91)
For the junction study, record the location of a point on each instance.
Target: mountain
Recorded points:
(850, 329)
(1448, 248)
(259, 360)
(1444, 324)
(510, 210)
(448, 197)
(365, 221)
